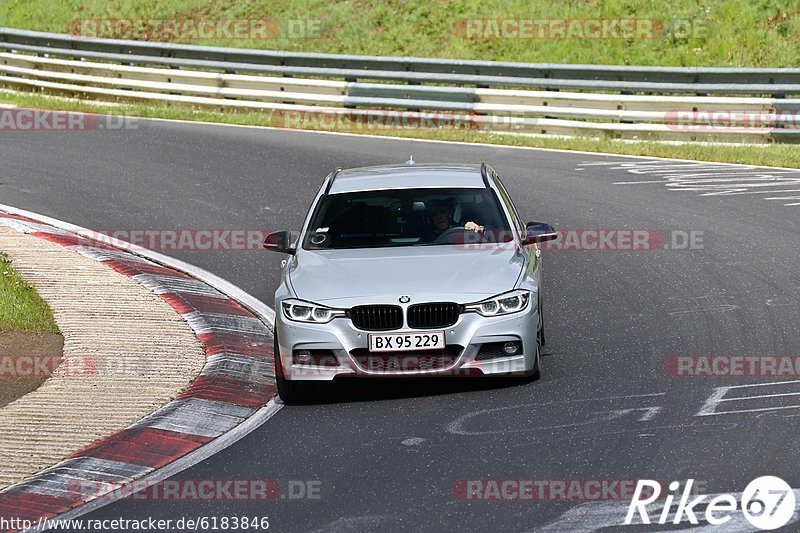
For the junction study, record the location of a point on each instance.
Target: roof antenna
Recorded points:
(410, 160)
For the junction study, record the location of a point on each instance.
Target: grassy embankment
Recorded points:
(27, 331)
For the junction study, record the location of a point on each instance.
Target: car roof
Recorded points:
(407, 177)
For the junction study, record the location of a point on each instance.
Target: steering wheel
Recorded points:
(446, 235)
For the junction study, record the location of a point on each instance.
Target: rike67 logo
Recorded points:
(767, 503)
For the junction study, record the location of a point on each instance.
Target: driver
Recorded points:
(441, 215)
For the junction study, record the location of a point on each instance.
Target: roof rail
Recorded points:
(485, 174)
(330, 181)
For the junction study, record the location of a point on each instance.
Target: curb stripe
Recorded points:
(222, 342)
(248, 326)
(186, 303)
(29, 506)
(231, 390)
(95, 469)
(197, 418)
(25, 226)
(146, 446)
(163, 284)
(66, 239)
(133, 268)
(102, 255)
(241, 367)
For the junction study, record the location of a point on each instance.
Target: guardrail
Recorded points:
(363, 92)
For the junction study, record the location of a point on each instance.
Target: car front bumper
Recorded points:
(347, 346)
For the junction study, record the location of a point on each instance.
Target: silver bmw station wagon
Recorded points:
(409, 270)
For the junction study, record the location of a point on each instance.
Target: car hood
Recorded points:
(344, 278)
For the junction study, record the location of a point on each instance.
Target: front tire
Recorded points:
(536, 373)
(290, 392)
(540, 333)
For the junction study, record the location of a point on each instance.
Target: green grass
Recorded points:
(767, 155)
(736, 33)
(21, 307)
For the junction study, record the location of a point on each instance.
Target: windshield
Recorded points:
(407, 217)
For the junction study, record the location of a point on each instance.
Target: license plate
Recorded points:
(401, 342)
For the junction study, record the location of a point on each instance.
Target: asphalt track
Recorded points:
(388, 456)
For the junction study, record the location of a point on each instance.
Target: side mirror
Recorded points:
(281, 241)
(538, 232)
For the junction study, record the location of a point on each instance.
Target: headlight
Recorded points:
(502, 304)
(301, 311)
